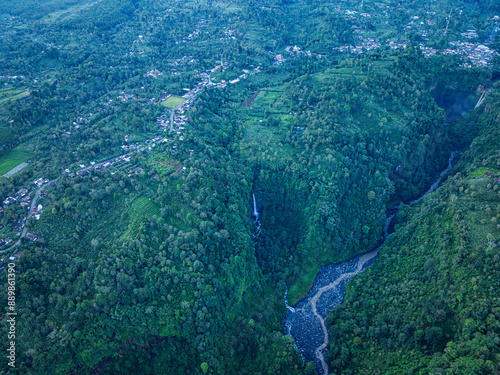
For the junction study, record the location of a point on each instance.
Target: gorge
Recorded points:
(306, 321)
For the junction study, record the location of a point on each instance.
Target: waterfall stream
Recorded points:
(255, 214)
(306, 322)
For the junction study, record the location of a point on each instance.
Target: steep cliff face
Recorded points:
(430, 302)
(324, 201)
(456, 102)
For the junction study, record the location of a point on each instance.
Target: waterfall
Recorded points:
(288, 307)
(255, 212)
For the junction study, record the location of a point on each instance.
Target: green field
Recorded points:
(12, 160)
(8, 95)
(173, 101)
(144, 207)
(163, 164)
(68, 13)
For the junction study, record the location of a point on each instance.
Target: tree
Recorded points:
(204, 367)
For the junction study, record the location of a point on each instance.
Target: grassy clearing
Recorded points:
(481, 172)
(379, 66)
(163, 164)
(143, 206)
(141, 209)
(286, 119)
(12, 160)
(173, 101)
(9, 95)
(68, 13)
(308, 271)
(272, 95)
(265, 100)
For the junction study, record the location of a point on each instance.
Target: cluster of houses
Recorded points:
(368, 44)
(478, 55)
(178, 118)
(5, 241)
(154, 73)
(22, 197)
(17, 255)
(139, 40)
(294, 50)
(12, 77)
(230, 34)
(80, 120)
(37, 211)
(190, 37)
(180, 122)
(106, 164)
(469, 34)
(125, 97)
(183, 60)
(351, 14)
(396, 45)
(279, 59)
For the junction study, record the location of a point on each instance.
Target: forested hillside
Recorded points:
(134, 135)
(430, 302)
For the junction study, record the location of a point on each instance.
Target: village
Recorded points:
(475, 54)
(174, 120)
(166, 122)
(22, 198)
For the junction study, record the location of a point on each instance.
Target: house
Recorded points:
(8, 201)
(22, 192)
(39, 182)
(32, 237)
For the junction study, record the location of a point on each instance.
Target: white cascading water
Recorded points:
(255, 213)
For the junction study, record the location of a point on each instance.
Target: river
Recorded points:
(306, 322)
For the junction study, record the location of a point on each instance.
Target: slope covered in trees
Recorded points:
(430, 303)
(151, 263)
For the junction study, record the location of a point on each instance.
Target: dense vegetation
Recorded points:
(151, 263)
(430, 303)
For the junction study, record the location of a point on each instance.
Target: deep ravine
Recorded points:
(306, 322)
